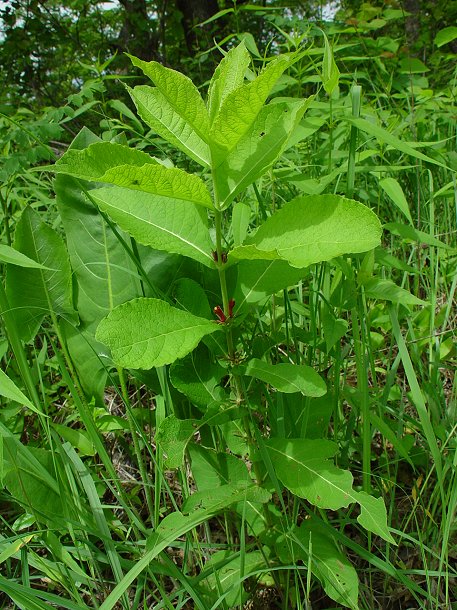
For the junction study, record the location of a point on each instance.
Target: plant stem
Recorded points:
(235, 379)
(362, 383)
(136, 446)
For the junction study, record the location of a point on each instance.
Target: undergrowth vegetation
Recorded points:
(228, 343)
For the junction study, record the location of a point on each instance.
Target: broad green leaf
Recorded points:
(35, 293)
(241, 107)
(228, 76)
(373, 515)
(174, 108)
(170, 184)
(252, 253)
(330, 72)
(382, 257)
(13, 257)
(179, 91)
(180, 228)
(312, 229)
(164, 119)
(85, 352)
(10, 390)
(305, 129)
(395, 192)
(226, 577)
(258, 279)
(28, 486)
(93, 162)
(446, 35)
(413, 65)
(212, 469)
(288, 378)
(133, 169)
(146, 333)
(385, 136)
(337, 575)
(198, 378)
(104, 273)
(258, 148)
(365, 272)
(173, 435)
(189, 295)
(334, 328)
(386, 290)
(304, 466)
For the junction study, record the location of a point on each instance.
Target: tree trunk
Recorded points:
(412, 24)
(136, 35)
(193, 13)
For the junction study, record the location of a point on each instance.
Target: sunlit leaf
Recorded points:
(312, 229)
(180, 228)
(146, 333)
(174, 108)
(228, 76)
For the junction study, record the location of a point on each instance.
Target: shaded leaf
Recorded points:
(288, 378)
(258, 279)
(211, 469)
(337, 575)
(241, 216)
(198, 378)
(226, 576)
(173, 435)
(104, 273)
(395, 192)
(386, 290)
(35, 293)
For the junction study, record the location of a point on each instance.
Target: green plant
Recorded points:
(239, 374)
